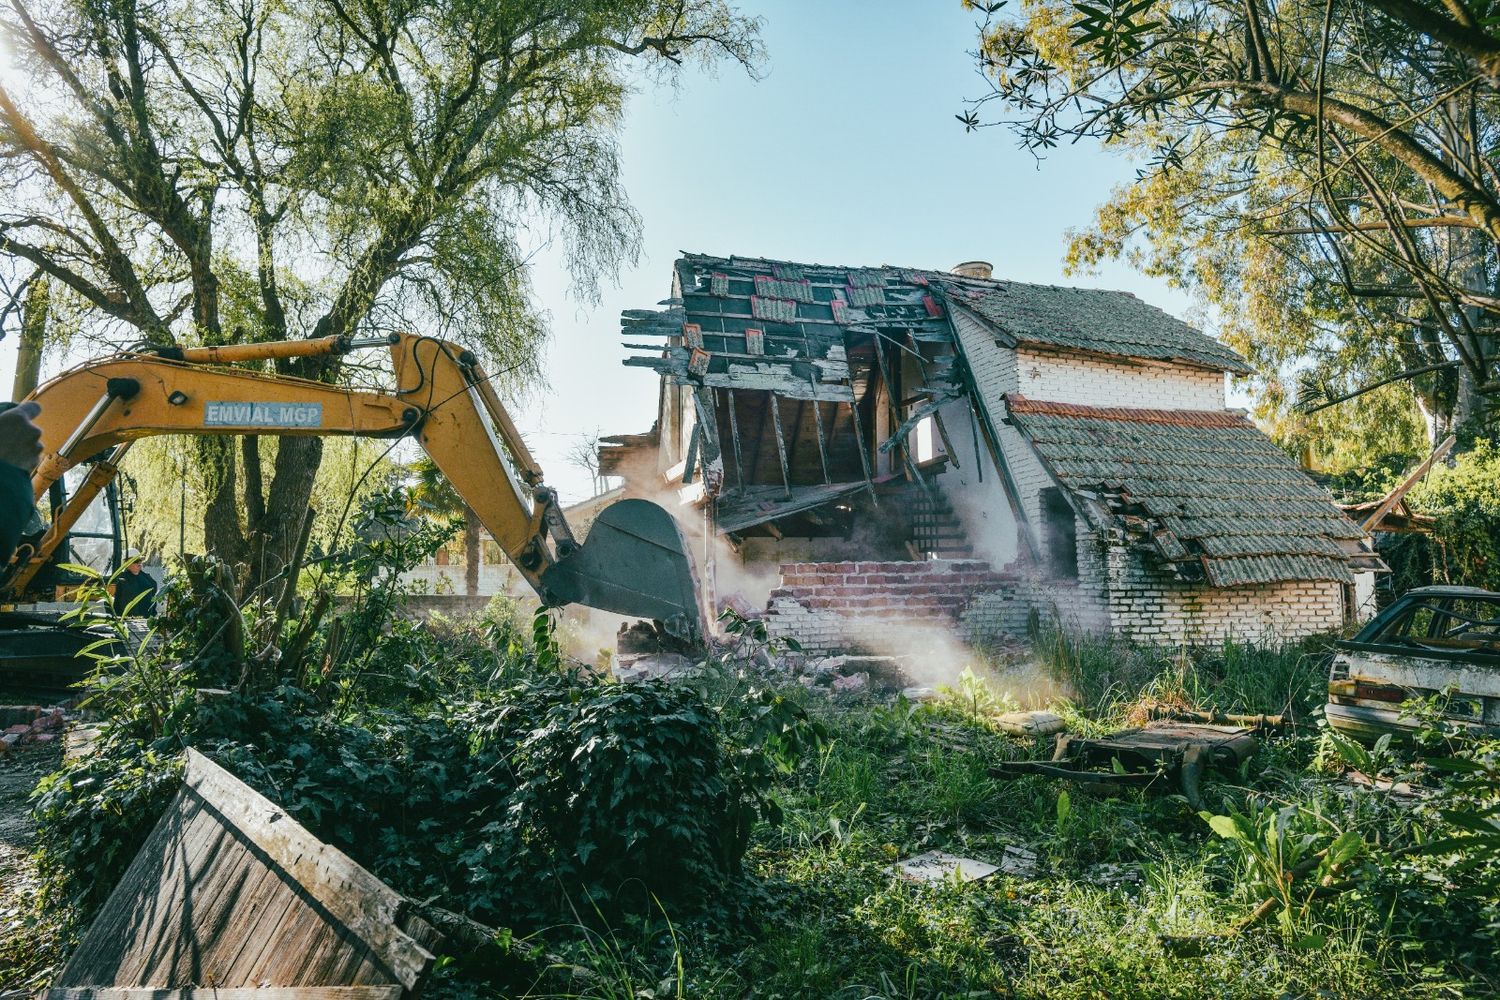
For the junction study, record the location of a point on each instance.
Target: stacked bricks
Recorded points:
(1147, 603)
(29, 724)
(936, 589)
(1104, 382)
(828, 606)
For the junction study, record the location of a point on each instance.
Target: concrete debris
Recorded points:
(919, 694)
(1110, 876)
(28, 724)
(851, 683)
(643, 666)
(936, 866)
(1030, 723)
(853, 674)
(1019, 862)
(939, 866)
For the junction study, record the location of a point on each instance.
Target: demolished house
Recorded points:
(887, 447)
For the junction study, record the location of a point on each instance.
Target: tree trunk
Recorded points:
(223, 533)
(33, 336)
(472, 556)
(287, 500)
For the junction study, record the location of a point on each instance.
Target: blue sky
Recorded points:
(847, 152)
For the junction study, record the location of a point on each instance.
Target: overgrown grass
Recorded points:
(816, 911)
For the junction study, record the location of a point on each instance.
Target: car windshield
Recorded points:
(1447, 623)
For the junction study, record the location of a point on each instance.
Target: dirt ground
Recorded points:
(20, 770)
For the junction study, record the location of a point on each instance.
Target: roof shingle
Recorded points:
(1089, 319)
(1204, 490)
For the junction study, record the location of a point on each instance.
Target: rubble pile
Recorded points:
(26, 724)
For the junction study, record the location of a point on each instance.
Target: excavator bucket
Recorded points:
(634, 562)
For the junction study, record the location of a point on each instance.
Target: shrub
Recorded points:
(1464, 547)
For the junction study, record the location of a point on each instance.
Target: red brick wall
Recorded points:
(934, 589)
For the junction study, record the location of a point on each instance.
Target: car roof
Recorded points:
(1451, 591)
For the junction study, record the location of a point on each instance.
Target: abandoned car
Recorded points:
(1433, 642)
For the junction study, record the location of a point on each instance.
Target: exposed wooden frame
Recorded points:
(734, 435)
(786, 476)
(1395, 496)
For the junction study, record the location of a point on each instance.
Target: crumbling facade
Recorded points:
(913, 448)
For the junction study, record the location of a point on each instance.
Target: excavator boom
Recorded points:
(634, 561)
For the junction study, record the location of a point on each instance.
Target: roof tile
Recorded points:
(1235, 503)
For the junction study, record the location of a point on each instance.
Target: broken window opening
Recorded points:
(1059, 535)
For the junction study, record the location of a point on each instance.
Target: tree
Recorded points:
(431, 495)
(1321, 172)
(584, 454)
(229, 170)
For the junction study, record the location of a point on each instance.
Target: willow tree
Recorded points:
(1320, 171)
(207, 171)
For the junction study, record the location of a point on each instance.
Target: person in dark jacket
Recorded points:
(20, 448)
(135, 582)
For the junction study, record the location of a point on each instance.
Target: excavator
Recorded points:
(634, 561)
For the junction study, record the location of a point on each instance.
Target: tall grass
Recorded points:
(1108, 675)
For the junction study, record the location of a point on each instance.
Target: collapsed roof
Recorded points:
(801, 376)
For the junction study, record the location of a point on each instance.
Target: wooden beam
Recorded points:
(822, 448)
(890, 394)
(734, 435)
(369, 908)
(859, 444)
(786, 476)
(692, 453)
(1394, 496)
(796, 439)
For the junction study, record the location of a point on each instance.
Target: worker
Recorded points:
(20, 448)
(132, 583)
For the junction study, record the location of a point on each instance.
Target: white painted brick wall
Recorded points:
(1067, 379)
(1147, 603)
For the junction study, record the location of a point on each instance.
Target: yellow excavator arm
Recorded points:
(635, 562)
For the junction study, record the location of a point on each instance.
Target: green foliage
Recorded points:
(1109, 675)
(1276, 182)
(1464, 547)
(722, 837)
(95, 813)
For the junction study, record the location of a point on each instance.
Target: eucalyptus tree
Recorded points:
(1321, 171)
(205, 171)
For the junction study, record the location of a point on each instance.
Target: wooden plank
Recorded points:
(734, 434)
(387, 992)
(822, 448)
(171, 930)
(186, 953)
(267, 901)
(369, 908)
(786, 476)
(1394, 497)
(864, 458)
(97, 956)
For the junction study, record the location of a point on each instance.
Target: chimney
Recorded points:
(973, 269)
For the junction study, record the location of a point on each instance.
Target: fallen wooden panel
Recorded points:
(213, 993)
(231, 895)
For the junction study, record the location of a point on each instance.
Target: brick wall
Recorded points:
(1100, 382)
(1147, 603)
(830, 606)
